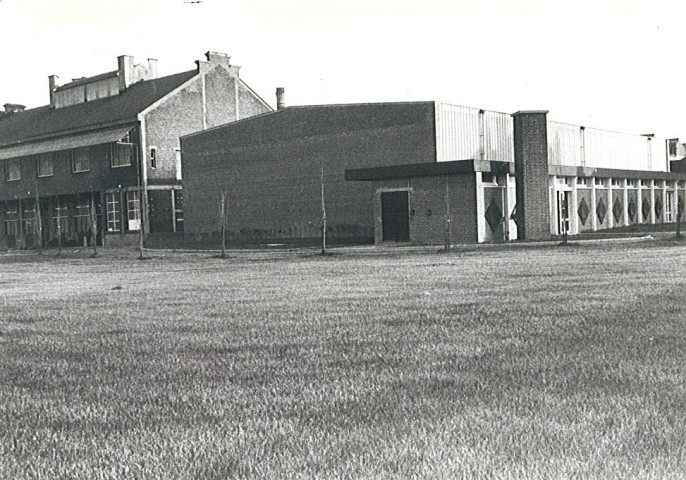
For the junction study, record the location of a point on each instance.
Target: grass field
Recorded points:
(534, 362)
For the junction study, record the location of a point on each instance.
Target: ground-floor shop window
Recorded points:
(113, 212)
(11, 223)
(83, 216)
(133, 204)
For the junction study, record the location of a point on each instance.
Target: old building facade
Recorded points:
(101, 163)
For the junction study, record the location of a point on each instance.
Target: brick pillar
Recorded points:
(531, 175)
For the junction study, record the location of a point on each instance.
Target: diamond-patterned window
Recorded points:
(583, 211)
(601, 210)
(658, 206)
(494, 215)
(617, 210)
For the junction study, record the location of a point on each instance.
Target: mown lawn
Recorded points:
(544, 362)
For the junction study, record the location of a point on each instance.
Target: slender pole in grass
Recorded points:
(59, 228)
(94, 226)
(39, 224)
(323, 209)
(447, 215)
(223, 222)
(679, 211)
(141, 235)
(20, 217)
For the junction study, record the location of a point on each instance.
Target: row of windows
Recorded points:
(120, 155)
(82, 214)
(615, 182)
(82, 219)
(133, 211)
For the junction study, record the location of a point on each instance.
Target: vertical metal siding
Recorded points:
(459, 134)
(573, 145)
(464, 133)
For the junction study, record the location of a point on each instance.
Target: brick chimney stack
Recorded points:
(14, 108)
(52, 84)
(126, 66)
(280, 98)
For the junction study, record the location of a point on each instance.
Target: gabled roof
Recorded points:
(45, 122)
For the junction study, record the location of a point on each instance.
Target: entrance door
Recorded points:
(562, 212)
(395, 217)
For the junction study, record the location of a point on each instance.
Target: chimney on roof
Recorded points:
(152, 67)
(203, 67)
(52, 83)
(280, 98)
(125, 71)
(223, 59)
(13, 108)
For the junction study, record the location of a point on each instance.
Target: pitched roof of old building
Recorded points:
(46, 122)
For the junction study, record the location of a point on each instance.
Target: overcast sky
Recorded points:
(618, 65)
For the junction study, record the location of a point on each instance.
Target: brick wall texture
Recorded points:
(270, 167)
(531, 173)
(182, 114)
(429, 211)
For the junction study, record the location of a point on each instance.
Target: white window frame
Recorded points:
(177, 159)
(113, 209)
(133, 210)
(152, 153)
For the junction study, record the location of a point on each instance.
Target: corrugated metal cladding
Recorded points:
(464, 133)
(577, 146)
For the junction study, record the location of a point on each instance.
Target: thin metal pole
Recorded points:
(39, 224)
(140, 224)
(94, 225)
(447, 215)
(323, 209)
(679, 209)
(21, 222)
(223, 222)
(59, 228)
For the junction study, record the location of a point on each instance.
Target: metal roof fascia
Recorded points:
(65, 143)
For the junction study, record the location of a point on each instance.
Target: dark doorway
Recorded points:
(395, 218)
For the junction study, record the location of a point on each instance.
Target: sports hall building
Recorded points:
(421, 172)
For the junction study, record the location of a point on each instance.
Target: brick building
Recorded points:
(423, 172)
(102, 160)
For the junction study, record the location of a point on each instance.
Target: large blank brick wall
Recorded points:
(270, 167)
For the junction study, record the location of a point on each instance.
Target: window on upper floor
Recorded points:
(44, 165)
(12, 169)
(123, 154)
(80, 160)
(153, 157)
